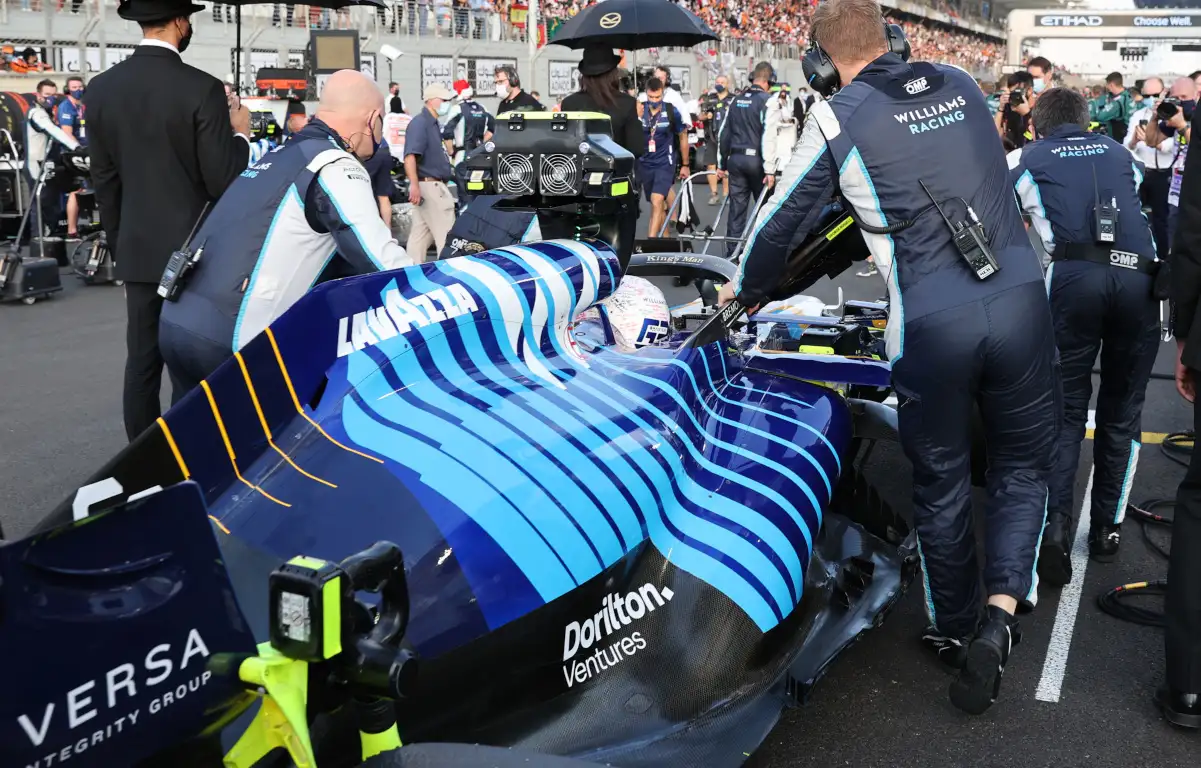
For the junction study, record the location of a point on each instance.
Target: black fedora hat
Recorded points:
(156, 10)
(598, 59)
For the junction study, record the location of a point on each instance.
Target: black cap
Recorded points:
(295, 108)
(148, 11)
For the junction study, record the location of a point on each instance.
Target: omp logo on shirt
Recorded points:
(400, 315)
(916, 86)
(933, 117)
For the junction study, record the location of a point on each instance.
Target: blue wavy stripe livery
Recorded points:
(569, 458)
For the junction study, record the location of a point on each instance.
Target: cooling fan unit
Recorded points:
(549, 155)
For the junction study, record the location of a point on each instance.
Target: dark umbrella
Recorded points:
(633, 25)
(333, 5)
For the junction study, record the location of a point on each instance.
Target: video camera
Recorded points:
(565, 166)
(264, 126)
(1166, 109)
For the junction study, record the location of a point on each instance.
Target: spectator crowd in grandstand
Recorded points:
(787, 21)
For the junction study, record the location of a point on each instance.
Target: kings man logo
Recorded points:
(610, 20)
(400, 315)
(916, 86)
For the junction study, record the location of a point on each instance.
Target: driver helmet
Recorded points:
(636, 313)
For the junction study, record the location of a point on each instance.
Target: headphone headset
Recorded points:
(820, 72)
(750, 76)
(511, 73)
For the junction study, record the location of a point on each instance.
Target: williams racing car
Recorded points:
(449, 505)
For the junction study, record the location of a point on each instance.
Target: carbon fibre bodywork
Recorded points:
(632, 558)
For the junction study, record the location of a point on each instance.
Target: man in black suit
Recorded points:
(162, 146)
(1180, 698)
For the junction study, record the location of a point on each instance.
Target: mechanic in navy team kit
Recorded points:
(967, 324)
(469, 126)
(744, 138)
(1081, 192)
(666, 133)
(70, 118)
(273, 233)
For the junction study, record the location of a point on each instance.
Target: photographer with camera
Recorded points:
(1081, 193)
(1013, 110)
(1152, 137)
(714, 107)
(969, 323)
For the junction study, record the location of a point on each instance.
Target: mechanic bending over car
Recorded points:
(1081, 192)
(966, 325)
(271, 236)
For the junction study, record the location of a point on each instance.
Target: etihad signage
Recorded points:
(1115, 20)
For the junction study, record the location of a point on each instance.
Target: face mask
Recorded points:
(653, 103)
(48, 101)
(720, 89)
(1188, 106)
(502, 90)
(1149, 101)
(186, 40)
(1038, 85)
(444, 109)
(76, 93)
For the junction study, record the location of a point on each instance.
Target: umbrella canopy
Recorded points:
(633, 25)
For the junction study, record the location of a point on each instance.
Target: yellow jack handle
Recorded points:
(281, 720)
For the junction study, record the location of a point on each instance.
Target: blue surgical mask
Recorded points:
(444, 109)
(720, 88)
(1039, 85)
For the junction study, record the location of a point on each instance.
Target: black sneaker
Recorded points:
(1055, 554)
(979, 682)
(951, 651)
(1103, 542)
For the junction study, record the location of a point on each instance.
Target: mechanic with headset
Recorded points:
(274, 232)
(747, 149)
(912, 150)
(1081, 192)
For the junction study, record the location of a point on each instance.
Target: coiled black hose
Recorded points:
(1119, 601)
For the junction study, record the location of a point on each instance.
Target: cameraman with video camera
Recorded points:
(968, 324)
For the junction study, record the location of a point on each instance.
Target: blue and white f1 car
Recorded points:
(628, 558)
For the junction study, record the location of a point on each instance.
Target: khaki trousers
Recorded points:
(432, 220)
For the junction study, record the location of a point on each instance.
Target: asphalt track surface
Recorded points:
(883, 703)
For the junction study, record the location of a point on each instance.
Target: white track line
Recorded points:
(1051, 683)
